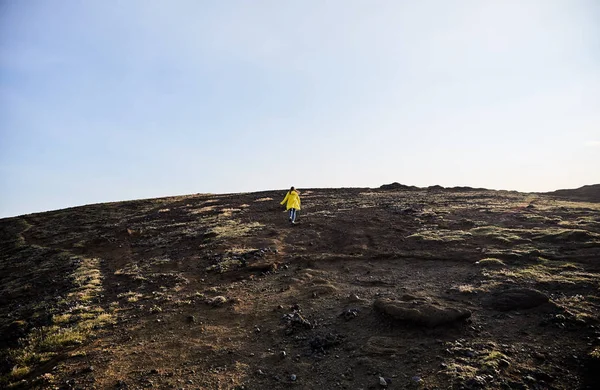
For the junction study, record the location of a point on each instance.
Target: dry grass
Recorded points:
(228, 212)
(131, 296)
(87, 279)
(234, 228)
(545, 272)
(202, 210)
(465, 288)
(460, 371)
(492, 359)
(441, 235)
(224, 266)
(19, 372)
(491, 262)
(69, 328)
(498, 234)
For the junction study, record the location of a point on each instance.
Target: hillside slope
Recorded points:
(590, 193)
(387, 288)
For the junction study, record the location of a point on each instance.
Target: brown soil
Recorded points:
(221, 292)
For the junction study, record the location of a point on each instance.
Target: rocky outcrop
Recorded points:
(515, 299)
(421, 312)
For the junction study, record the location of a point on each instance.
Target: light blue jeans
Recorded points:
(292, 215)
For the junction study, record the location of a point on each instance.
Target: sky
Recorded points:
(128, 99)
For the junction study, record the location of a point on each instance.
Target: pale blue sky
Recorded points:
(114, 100)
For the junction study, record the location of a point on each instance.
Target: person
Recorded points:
(293, 203)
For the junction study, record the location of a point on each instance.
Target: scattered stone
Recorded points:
(543, 376)
(88, 369)
(417, 380)
(321, 343)
(421, 312)
(217, 301)
(293, 377)
(282, 354)
(354, 298)
(409, 297)
(382, 382)
(349, 314)
(260, 372)
(264, 267)
(477, 382)
(516, 298)
(539, 356)
(294, 321)
(191, 319)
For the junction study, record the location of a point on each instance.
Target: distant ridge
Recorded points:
(589, 193)
(398, 186)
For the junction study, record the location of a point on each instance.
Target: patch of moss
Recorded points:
(233, 228)
(441, 235)
(493, 358)
(567, 235)
(19, 372)
(499, 234)
(545, 272)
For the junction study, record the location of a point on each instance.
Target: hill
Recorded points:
(373, 288)
(590, 193)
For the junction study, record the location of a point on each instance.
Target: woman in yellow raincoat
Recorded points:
(293, 203)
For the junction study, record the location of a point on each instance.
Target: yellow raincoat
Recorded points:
(293, 200)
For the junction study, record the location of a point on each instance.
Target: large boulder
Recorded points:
(421, 312)
(516, 298)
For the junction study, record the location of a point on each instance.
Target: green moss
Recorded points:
(19, 372)
(57, 338)
(441, 235)
(499, 234)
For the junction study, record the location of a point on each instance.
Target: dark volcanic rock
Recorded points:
(323, 342)
(397, 186)
(516, 298)
(421, 312)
